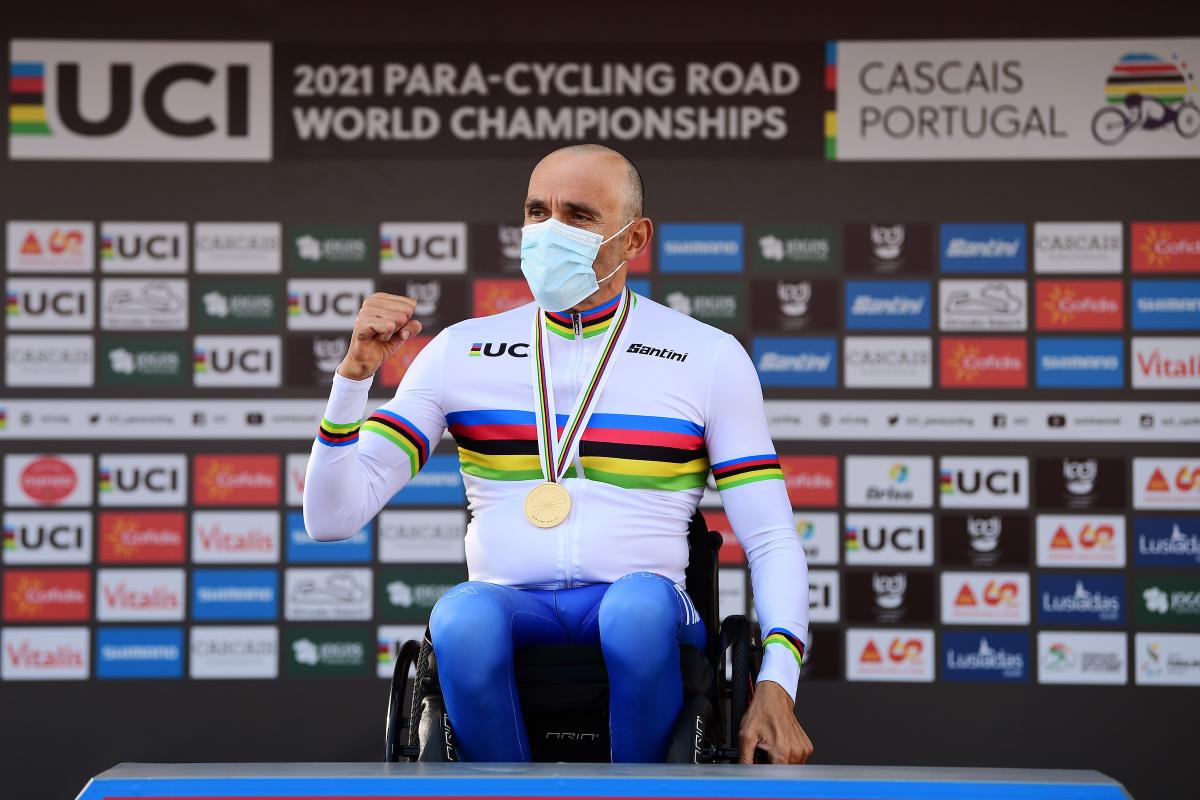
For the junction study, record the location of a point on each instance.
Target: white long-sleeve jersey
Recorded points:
(682, 400)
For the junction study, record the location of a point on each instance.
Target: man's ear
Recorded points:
(638, 240)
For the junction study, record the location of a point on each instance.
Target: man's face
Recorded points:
(584, 190)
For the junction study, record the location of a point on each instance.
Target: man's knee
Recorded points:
(639, 607)
(467, 619)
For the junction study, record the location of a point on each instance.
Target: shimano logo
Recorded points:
(661, 352)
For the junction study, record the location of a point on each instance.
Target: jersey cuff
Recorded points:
(343, 412)
(780, 665)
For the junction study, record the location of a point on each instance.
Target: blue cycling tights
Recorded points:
(639, 621)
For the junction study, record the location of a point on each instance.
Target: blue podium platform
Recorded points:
(464, 781)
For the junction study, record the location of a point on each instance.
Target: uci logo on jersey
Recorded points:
(496, 349)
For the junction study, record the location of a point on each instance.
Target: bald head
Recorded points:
(607, 165)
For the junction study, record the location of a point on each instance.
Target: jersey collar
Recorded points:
(592, 322)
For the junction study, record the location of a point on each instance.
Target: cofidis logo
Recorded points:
(1166, 246)
(700, 247)
(983, 247)
(979, 362)
(798, 361)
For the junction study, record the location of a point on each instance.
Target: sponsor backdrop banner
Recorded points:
(984, 400)
(1013, 99)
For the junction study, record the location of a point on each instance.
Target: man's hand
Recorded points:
(383, 325)
(770, 725)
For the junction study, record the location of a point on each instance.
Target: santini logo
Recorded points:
(662, 352)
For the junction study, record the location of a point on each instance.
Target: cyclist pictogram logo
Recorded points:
(1147, 92)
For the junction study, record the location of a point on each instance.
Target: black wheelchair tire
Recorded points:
(736, 635)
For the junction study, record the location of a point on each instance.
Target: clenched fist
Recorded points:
(383, 325)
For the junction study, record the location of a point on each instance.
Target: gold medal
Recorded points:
(547, 504)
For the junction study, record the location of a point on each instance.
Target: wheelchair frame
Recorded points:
(712, 743)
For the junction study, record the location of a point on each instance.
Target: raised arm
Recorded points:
(357, 464)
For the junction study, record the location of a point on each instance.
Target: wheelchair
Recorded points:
(564, 688)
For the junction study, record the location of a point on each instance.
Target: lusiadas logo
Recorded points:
(1081, 599)
(993, 656)
(1147, 92)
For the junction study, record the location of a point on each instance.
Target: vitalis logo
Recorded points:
(1166, 363)
(44, 653)
(147, 100)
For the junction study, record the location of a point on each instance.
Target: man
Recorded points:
(586, 424)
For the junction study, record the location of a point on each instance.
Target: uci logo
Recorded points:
(315, 304)
(53, 537)
(63, 304)
(155, 479)
(878, 537)
(140, 100)
(996, 482)
(497, 349)
(229, 360)
(132, 246)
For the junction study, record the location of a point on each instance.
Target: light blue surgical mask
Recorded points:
(557, 258)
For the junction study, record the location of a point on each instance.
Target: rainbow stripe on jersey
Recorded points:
(627, 450)
(592, 322)
(740, 471)
(402, 433)
(338, 434)
(788, 639)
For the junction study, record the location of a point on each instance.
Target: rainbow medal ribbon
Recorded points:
(548, 504)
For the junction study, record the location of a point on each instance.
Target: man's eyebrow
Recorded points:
(569, 205)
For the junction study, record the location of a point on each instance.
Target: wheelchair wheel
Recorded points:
(736, 637)
(418, 686)
(393, 749)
